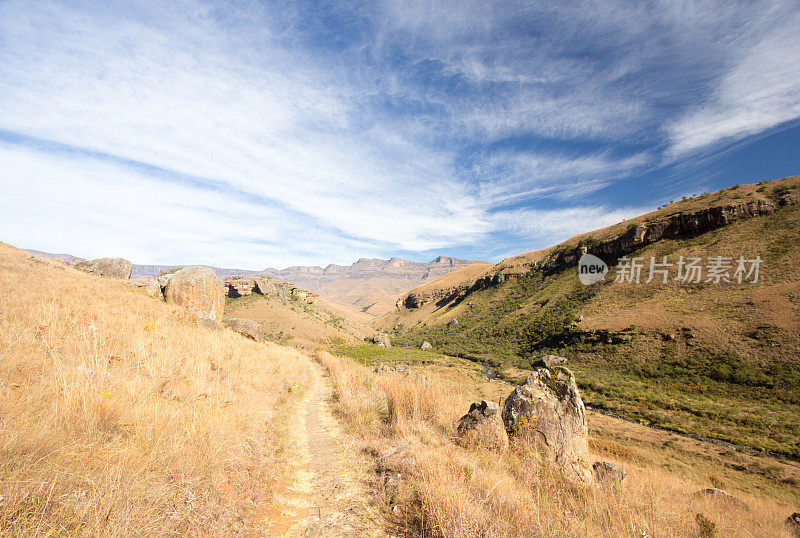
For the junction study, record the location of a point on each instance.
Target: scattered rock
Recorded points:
(198, 289)
(400, 369)
(391, 483)
(793, 523)
(108, 267)
(246, 327)
(482, 426)
(605, 472)
(489, 372)
(382, 369)
(426, 346)
(723, 496)
(669, 337)
(382, 339)
(549, 411)
(550, 361)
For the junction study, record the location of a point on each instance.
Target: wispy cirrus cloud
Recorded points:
(759, 91)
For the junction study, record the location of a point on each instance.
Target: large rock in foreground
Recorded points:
(198, 289)
(108, 267)
(246, 327)
(548, 411)
(482, 426)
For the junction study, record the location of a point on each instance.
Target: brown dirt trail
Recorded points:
(326, 494)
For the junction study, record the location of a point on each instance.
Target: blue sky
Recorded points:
(253, 134)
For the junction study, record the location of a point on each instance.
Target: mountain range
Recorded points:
(370, 285)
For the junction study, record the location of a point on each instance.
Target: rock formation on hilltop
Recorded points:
(370, 284)
(676, 226)
(108, 267)
(243, 286)
(197, 289)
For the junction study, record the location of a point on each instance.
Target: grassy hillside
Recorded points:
(119, 416)
(713, 360)
(290, 321)
(445, 489)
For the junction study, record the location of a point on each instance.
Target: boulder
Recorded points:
(108, 267)
(482, 426)
(382, 339)
(452, 323)
(605, 472)
(550, 361)
(153, 288)
(246, 327)
(264, 287)
(548, 411)
(197, 289)
(793, 523)
(489, 372)
(426, 346)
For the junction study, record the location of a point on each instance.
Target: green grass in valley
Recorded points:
(374, 354)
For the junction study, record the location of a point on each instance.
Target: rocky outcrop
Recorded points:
(793, 523)
(382, 339)
(264, 286)
(246, 327)
(550, 361)
(243, 286)
(548, 412)
(107, 267)
(239, 287)
(197, 289)
(678, 226)
(482, 426)
(304, 295)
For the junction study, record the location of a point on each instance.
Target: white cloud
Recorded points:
(321, 155)
(513, 177)
(276, 126)
(761, 90)
(553, 226)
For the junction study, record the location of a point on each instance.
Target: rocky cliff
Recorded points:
(673, 226)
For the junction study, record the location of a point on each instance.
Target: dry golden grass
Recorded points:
(453, 491)
(118, 416)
